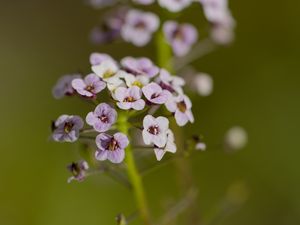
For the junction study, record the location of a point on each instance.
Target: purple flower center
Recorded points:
(129, 99)
(103, 118)
(113, 145)
(155, 95)
(140, 25)
(153, 130)
(178, 34)
(68, 127)
(166, 87)
(181, 106)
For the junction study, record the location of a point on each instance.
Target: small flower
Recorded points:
(139, 66)
(102, 118)
(116, 81)
(155, 94)
(181, 107)
(169, 82)
(169, 147)
(203, 84)
(180, 36)
(111, 147)
(78, 169)
(106, 69)
(139, 26)
(129, 98)
(139, 81)
(63, 87)
(66, 128)
(98, 58)
(217, 11)
(144, 2)
(90, 86)
(200, 146)
(155, 130)
(222, 34)
(236, 138)
(174, 5)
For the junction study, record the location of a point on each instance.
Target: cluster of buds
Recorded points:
(137, 87)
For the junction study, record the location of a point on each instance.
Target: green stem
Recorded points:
(133, 174)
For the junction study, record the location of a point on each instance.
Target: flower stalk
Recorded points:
(133, 173)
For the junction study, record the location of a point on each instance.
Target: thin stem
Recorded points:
(134, 176)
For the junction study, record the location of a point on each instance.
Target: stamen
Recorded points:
(153, 130)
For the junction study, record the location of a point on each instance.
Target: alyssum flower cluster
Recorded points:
(135, 86)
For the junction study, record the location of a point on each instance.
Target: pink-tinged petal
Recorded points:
(102, 139)
(61, 120)
(168, 28)
(159, 153)
(171, 105)
(91, 79)
(138, 105)
(124, 105)
(160, 140)
(147, 137)
(78, 122)
(180, 48)
(190, 116)
(122, 140)
(120, 94)
(191, 34)
(78, 84)
(149, 90)
(102, 127)
(135, 92)
(181, 118)
(90, 118)
(163, 123)
(162, 98)
(99, 86)
(187, 102)
(148, 121)
(116, 156)
(101, 155)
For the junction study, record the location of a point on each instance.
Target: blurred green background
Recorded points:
(256, 86)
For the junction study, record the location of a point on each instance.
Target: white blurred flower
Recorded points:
(203, 84)
(105, 69)
(174, 5)
(236, 138)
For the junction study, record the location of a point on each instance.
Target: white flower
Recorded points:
(140, 81)
(105, 69)
(236, 138)
(181, 107)
(174, 5)
(139, 27)
(117, 80)
(155, 130)
(169, 147)
(203, 84)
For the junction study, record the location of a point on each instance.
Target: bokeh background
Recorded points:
(256, 86)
